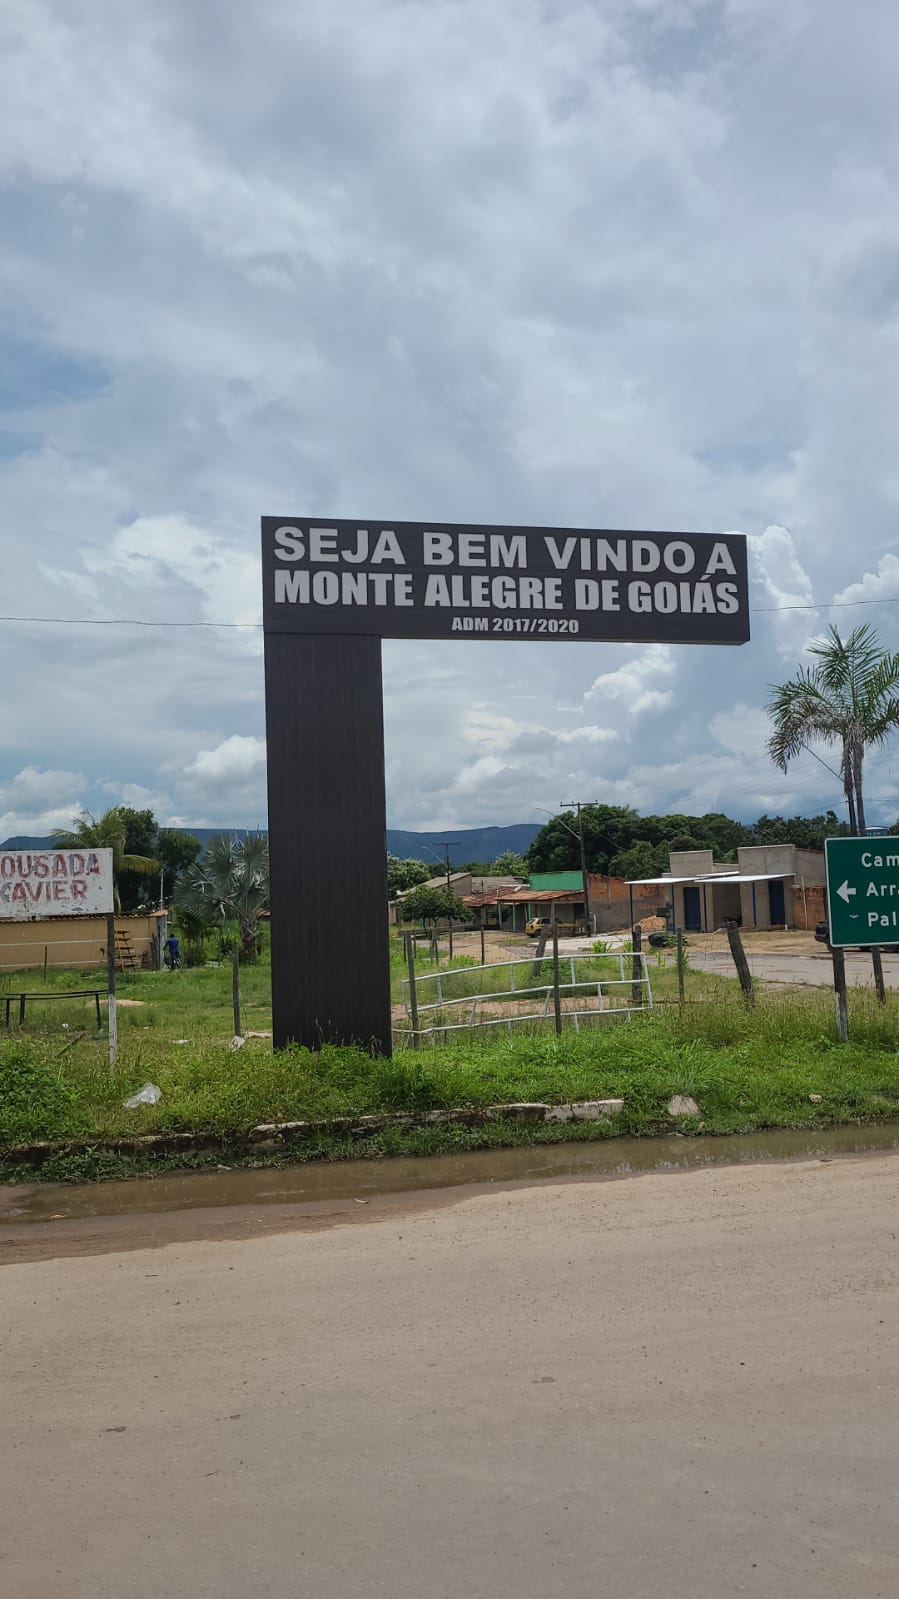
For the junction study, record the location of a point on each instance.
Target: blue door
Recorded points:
(692, 910)
(777, 915)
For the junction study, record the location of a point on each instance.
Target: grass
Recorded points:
(746, 1068)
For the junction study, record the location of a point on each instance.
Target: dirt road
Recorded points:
(671, 1385)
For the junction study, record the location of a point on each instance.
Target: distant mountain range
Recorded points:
(466, 844)
(482, 844)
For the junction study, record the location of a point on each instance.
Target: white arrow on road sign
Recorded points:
(844, 891)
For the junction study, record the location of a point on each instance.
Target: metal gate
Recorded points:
(585, 989)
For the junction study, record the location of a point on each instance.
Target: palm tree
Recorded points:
(228, 883)
(849, 698)
(108, 831)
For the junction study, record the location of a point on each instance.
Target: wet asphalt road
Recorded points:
(814, 969)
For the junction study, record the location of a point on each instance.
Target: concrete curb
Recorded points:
(270, 1136)
(273, 1135)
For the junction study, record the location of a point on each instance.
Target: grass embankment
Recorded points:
(746, 1069)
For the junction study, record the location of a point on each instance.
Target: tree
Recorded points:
(555, 849)
(806, 832)
(109, 831)
(405, 874)
(168, 847)
(431, 905)
(508, 865)
(137, 890)
(641, 860)
(229, 883)
(719, 833)
(849, 699)
(140, 831)
(678, 842)
(176, 851)
(607, 830)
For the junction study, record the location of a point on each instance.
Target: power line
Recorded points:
(822, 605)
(139, 621)
(122, 621)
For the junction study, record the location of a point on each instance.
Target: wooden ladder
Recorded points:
(125, 957)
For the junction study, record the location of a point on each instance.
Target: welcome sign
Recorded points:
(441, 580)
(332, 590)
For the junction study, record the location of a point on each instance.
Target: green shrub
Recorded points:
(35, 1102)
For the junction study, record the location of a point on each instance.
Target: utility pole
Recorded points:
(445, 845)
(569, 805)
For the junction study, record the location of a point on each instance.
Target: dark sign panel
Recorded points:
(443, 580)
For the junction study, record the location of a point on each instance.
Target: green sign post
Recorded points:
(862, 890)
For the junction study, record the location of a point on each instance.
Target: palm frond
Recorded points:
(144, 864)
(800, 714)
(230, 882)
(847, 697)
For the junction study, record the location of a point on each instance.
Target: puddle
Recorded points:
(323, 1184)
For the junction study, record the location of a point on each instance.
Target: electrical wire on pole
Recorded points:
(446, 845)
(577, 805)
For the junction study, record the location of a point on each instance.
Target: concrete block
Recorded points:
(559, 1113)
(265, 1131)
(594, 1110)
(525, 1111)
(682, 1105)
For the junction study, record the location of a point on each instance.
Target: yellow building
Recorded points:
(79, 941)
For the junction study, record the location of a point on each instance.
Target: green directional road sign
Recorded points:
(862, 890)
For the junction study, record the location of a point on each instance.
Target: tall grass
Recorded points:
(745, 1067)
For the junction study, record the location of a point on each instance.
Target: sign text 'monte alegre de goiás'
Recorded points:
(441, 580)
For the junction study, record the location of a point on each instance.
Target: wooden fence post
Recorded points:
(413, 995)
(636, 966)
(839, 988)
(235, 985)
(740, 961)
(541, 946)
(557, 997)
(680, 965)
(110, 991)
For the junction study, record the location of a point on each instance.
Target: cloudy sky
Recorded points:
(599, 263)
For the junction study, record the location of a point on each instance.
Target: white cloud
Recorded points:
(777, 567)
(34, 802)
(503, 262)
(883, 584)
(634, 684)
(234, 759)
(742, 729)
(165, 552)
